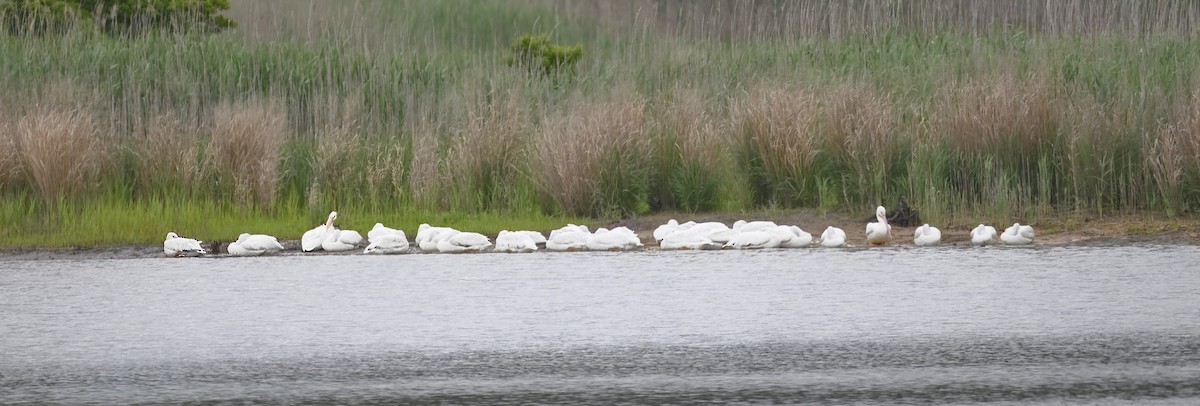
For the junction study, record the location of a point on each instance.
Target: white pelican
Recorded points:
(312, 239)
(1017, 235)
(385, 240)
(252, 245)
(799, 238)
(688, 240)
(723, 236)
(379, 230)
(925, 236)
(617, 239)
(176, 246)
(983, 235)
(754, 240)
(833, 237)
(460, 242)
(744, 226)
(570, 238)
(516, 241)
(339, 240)
(427, 237)
(537, 237)
(880, 232)
(666, 229)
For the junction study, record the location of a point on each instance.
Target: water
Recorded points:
(1115, 325)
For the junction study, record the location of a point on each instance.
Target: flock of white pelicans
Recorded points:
(670, 236)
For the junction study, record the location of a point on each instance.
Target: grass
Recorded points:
(999, 111)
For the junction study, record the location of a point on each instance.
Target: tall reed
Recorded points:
(592, 160)
(246, 149)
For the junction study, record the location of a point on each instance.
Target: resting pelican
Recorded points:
(833, 237)
(252, 245)
(385, 240)
(1017, 235)
(880, 232)
(617, 239)
(926, 236)
(666, 229)
(379, 230)
(515, 241)
(339, 240)
(427, 236)
(537, 237)
(569, 238)
(688, 240)
(462, 242)
(748, 240)
(983, 235)
(799, 238)
(176, 246)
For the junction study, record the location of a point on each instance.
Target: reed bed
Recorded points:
(971, 110)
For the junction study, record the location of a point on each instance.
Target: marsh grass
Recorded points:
(593, 160)
(1008, 110)
(246, 150)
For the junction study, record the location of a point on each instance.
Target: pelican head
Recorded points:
(881, 214)
(329, 221)
(171, 235)
(243, 237)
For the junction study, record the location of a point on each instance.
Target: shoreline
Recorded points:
(1056, 232)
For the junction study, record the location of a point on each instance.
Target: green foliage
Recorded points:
(117, 17)
(537, 54)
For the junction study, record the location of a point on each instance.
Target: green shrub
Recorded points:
(536, 54)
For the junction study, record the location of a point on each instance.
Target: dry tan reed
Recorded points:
(779, 127)
(340, 143)
(63, 151)
(861, 126)
(166, 148)
(488, 151)
(246, 148)
(574, 146)
(10, 157)
(765, 20)
(996, 114)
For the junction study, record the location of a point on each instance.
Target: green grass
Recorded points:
(112, 222)
(407, 112)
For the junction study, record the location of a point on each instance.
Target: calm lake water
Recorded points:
(1110, 325)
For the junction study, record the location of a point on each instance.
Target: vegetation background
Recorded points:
(412, 111)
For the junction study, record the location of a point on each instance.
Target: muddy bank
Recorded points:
(1108, 231)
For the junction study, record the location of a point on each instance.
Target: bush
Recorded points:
(536, 54)
(117, 17)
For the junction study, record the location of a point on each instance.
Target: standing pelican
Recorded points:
(983, 235)
(176, 246)
(926, 236)
(1017, 235)
(833, 237)
(880, 232)
(251, 245)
